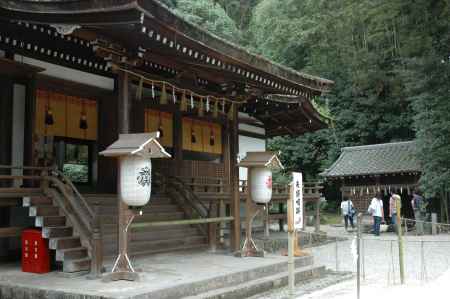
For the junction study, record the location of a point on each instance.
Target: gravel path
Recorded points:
(427, 262)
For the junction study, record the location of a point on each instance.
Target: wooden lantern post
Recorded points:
(134, 152)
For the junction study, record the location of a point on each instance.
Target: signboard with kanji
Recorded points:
(297, 199)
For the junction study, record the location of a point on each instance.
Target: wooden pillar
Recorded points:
(281, 220)
(30, 111)
(266, 222)
(178, 141)
(124, 106)
(6, 104)
(234, 182)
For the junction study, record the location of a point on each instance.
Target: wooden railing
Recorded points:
(55, 184)
(81, 215)
(280, 192)
(312, 192)
(175, 188)
(11, 194)
(204, 186)
(189, 194)
(26, 181)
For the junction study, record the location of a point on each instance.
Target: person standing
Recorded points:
(376, 210)
(393, 211)
(417, 204)
(347, 211)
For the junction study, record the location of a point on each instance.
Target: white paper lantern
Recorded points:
(135, 180)
(261, 184)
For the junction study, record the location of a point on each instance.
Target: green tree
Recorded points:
(427, 75)
(210, 16)
(354, 43)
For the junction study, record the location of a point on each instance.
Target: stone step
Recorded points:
(169, 244)
(261, 285)
(156, 235)
(203, 287)
(112, 200)
(111, 228)
(29, 201)
(149, 217)
(166, 244)
(64, 243)
(162, 208)
(57, 232)
(50, 221)
(63, 255)
(190, 247)
(43, 211)
(77, 265)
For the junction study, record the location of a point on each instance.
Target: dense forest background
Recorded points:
(390, 60)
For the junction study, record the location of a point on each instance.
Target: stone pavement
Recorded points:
(163, 276)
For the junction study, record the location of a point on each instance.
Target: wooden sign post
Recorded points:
(295, 210)
(295, 221)
(398, 204)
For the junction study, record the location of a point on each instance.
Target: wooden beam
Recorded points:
(179, 83)
(251, 121)
(14, 69)
(10, 232)
(178, 139)
(19, 192)
(72, 88)
(99, 15)
(140, 225)
(252, 134)
(10, 202)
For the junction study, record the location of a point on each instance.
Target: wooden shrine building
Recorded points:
(364, 171)
(76, 74)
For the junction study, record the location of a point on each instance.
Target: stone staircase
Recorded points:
(255, 281)
(151, 240)
(70, 254)
(242, 284)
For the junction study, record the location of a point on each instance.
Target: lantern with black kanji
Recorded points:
(134, 152)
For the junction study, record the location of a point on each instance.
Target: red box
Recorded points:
(35, 255)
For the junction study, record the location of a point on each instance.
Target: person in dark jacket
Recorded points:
(417, 204)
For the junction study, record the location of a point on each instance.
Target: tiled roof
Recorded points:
(375, 159)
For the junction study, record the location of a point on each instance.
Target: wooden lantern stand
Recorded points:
(146, 146)
(251, 211)
(253, 160)
(122, 268)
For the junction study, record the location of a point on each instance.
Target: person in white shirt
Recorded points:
(376, 210)
(347, 211)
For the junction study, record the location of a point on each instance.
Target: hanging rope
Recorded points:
(174, 88)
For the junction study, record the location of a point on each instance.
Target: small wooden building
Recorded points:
(76, 74)
(364, 171)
